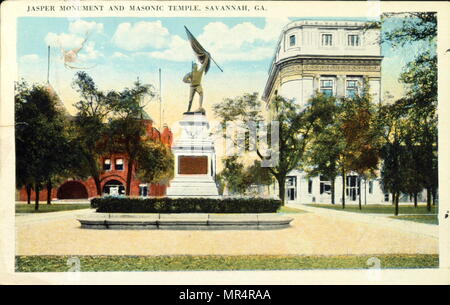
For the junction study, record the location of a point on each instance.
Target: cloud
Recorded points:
(140, 35)
(82, 27)
(63, 40)
(90, 52)
(119, 55)
(79, 30)
(178, 50)
(220, 35)
(30, 59)
(241, 42)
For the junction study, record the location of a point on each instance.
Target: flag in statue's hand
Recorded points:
(202, 55)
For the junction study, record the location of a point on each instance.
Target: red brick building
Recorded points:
(113, 177)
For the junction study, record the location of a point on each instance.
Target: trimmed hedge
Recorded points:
(184, 205)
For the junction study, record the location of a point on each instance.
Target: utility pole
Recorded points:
(160, 103)
(48, 65)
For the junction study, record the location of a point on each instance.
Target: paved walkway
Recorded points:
(383, 220)
(29, 218)
(313, 233)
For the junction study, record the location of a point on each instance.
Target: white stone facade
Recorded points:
(325, 56)
(336, 58)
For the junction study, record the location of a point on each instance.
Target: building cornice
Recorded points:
(306, 59)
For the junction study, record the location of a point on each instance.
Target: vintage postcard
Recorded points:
(225, 142)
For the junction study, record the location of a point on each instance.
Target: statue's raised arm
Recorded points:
(194, 78)
(205, 63)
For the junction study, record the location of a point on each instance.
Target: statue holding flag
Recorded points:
(195, 76)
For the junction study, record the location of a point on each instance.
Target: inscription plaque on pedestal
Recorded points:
(195, 159)
(192, 165)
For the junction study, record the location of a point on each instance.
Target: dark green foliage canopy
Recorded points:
(42, 141)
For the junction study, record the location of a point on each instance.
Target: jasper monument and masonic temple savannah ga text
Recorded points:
(157, 140)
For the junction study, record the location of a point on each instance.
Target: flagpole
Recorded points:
(216, 64)
(160, 102)
(48, 65)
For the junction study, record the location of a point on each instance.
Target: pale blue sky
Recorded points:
(119, 50)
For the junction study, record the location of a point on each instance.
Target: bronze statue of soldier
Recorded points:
(195, 79)
(195, 76)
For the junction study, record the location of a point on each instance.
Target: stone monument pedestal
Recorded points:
(195, 159)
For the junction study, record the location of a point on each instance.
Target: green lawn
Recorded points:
(379, 208)
(54, 207)
(191, 263)
(429, 219)
(285, 209)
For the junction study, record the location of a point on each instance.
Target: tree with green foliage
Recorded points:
(155, 162)
(296, 126)
(362, 135)
(232, 175)
(89, 126)
(259, 175)
(127, 134)
(24, 156)
(324, 152)
(238, 178)
(394, 153)
(42, 146)
(420, 101)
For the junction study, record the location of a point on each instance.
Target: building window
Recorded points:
(353, 40)
(326, 87)
(119, 164)
(310, 185)
(143, 190)
(325, 185)
(292, 40)
(291, 187)
(352, 190)
(352, 88)
(370, 187)
(327, 39)
(107, 164)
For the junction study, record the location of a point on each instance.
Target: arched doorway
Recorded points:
(72, 190)
(113, 188)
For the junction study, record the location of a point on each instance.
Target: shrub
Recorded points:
(184, 205)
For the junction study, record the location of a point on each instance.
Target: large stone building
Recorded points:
(336, 58)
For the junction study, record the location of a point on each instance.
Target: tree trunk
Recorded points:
(343, 188)
(428, 199)
(415, 200)
(359, 192)
(28, 188)
(393, 198)
(365, 191)
(332, 190)
(49, 192)
(281, 188)
(36, 201)
(129, 174)
(434, 193)
(98, 186)
(93, 168)
(396, 196)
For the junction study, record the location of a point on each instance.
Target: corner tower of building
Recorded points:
(334, 57)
